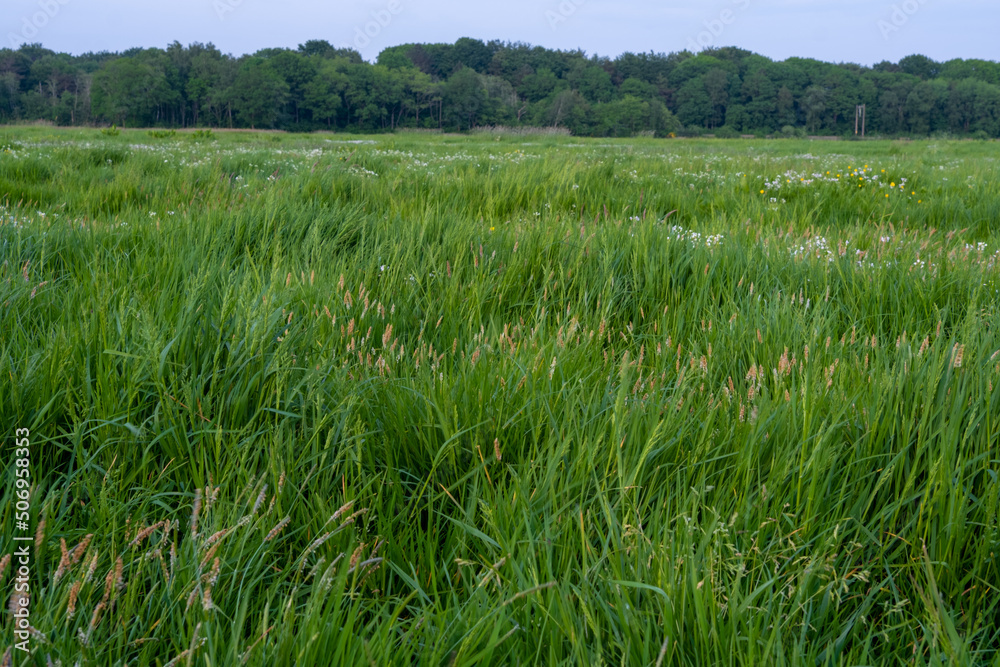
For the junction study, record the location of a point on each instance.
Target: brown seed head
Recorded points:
(81, 548)
(277, 529)
(40, 534)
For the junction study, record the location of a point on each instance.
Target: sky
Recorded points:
(857, 31)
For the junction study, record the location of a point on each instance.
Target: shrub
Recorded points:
(792, 132)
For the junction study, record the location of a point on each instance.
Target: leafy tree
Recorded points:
(10, 89)
(425, 95)
(982, 70)
(962, 105)
(920, 66)
(127, 91)
(203, 73)
(536, 87)
(395, 58)
(568, 108)
(472, 53)
(258, 93)
(637, 88)
(323, 49)
(592, 82)
(694, 107)
(623, 118)
(323, 96)
(652, 68)
(695, 67)
(814, 106)
(760, 102)
(842, 98)
(924, 105)
(738, 118)
(987, 105)
(784, 108)
(661, 121)
(298, 71)
(209, 79)
(54, 75)
(464, 98)
(716, 82)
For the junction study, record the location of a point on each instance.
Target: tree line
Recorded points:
(725, 91)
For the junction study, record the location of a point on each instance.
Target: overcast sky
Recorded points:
(860, 31)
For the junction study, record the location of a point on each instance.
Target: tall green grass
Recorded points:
(502, 400)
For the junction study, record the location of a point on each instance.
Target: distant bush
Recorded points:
(162, 134)
(205, 135)
(944, 135)
(112, 131)
(792, 132)
(502, 130)
(727, 132)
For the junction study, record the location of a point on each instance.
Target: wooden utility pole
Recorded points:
(860, 119)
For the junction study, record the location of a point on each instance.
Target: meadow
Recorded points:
(501, 399)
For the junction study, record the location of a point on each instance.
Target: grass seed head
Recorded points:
(91, 568)
(40, 534)
(96, 616)
(277, 529)
(81, 548)
(19, 601)
(260, 500)
(71, 606)
(64, 561)
(196, 509)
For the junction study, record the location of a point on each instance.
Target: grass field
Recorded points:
(420, 399)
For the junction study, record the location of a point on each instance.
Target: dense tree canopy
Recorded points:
(470, 83)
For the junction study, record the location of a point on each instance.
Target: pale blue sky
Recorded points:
(862, 31)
